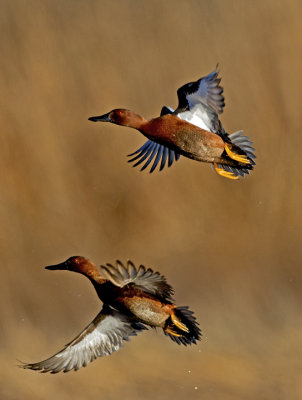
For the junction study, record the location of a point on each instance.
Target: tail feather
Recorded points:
(184, 330)
(234, 170)
(245, 144)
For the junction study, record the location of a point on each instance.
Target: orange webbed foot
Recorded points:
(225, 174)
(237, 157)
(172, 332)
(176, 321)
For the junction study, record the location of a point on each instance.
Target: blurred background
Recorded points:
(231, 249)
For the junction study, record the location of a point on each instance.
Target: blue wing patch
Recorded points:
(148, 151)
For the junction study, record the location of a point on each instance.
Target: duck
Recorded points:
(133, 300)
(192, 130)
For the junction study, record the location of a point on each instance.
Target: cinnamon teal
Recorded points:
(133, 299)
(192, 130)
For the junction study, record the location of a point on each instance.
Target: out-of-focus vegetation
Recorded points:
(232, 250)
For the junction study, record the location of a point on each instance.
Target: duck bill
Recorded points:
(102, 118)
(60, 266)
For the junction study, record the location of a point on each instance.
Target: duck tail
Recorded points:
(182, 326)
(245, 147)
(242, 153)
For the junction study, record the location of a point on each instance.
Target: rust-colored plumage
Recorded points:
(133, 298)
(192, 130)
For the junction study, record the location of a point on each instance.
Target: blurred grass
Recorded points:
(231, 249)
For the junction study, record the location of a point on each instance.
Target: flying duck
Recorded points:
(133, 299)
(192, 130)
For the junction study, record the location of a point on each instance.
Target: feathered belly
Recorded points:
(201, 147)
(150, 311)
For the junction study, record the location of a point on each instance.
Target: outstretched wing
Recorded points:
(144, 279)
(200, 102)
(103, 336)
(151, 149)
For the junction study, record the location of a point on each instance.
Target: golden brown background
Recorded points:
(232, 250)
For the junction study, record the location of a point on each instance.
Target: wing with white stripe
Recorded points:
(103, 336)
(201, 101)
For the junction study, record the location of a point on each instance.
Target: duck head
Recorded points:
(75, 263)
(120, 116)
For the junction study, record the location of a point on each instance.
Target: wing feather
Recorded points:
(103, 336)
(150, 150)
(201, 101)
(144, 279)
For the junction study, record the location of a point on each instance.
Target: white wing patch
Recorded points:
(201, 101)
(198, 117)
